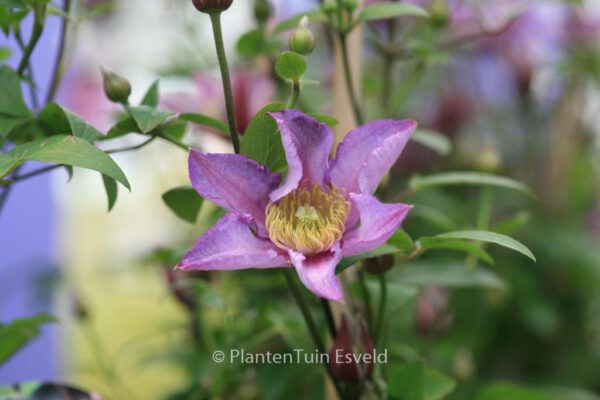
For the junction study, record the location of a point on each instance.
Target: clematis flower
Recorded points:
(322, 211)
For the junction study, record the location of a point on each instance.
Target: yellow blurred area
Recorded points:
(131, 314)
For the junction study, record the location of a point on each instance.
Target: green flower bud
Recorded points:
(440, 13)
(116, 87)
(329, 6)
(212, 6)
(262, 10)
(351, 5)
(302, 40)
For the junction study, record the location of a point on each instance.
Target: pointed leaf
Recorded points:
(184, 202)
(418, 183)
(450, 275)
(205, 120)
(58, 120)
(490, 237)
(11, 97)
(17, 334)
(262, 141)
(152, 96)
(428, 243)
(148, 118)
(112, 191)
(436, 141)
(70, 150)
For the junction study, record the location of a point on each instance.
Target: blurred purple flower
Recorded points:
(352, 339)
(324, 209)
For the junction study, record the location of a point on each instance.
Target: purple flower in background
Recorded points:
(322, 211)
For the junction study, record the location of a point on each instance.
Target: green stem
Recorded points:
(329, 317)
(349, 81)
(381, 311)
(59, 67)
(310, 322)
(294, 95)
(36, 33)
(367, 298)
(215, 19)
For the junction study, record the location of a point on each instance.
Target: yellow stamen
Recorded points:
(308, 221)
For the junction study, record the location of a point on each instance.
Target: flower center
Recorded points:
(308, 221)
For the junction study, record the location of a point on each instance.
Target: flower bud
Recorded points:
(116, 88)
(440, 14)
(302, 40)
(351, 5)
(329, 6)
(379, 265)
(342, 357)
(212, 6)
(431, 316)
(262, 10)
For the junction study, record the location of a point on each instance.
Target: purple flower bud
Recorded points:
(430, 312)
(211, 6)
(352, 340)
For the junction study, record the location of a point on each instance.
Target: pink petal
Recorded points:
(230, 244)
(307, 145)
(368, 152)
(378, 222)
(233, 182)
(317, 272)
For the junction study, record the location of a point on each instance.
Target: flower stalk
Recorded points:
(215, 19)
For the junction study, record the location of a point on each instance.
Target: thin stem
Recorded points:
(349, 81)
(381, 311)
(36, 33)
(296, 88)
(29, 71)
(6, 192)
(310, 322)
(215, 19)
(367, 298)
(329, 317)
(60, 55)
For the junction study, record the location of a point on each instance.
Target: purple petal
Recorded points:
(378, 222)
(307, 145)
(317, 272)
(368, 153)
(230, 244)
(233, 182)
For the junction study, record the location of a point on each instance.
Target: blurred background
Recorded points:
(513, 85)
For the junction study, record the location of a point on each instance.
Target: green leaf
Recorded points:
(148, 118)
(418, 183)
(513, 224)
(406, 382)
(184, 202)
(151, 97)
(20, 332)
(314, 17)
(428, 243)
(252, 43)
(58, 120)
(290, 66)
(205, 120)
(380, 251)
(112, 191)
(11, 97)
(70, 150)
(490, 237)
(391, 10)
(262, 141)
(450, 275)
(437, 385)
(436, 141)
(433, 216)
(123, 127)
(507, 391)
(402, 241)
(7, 164)
(9, 122)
